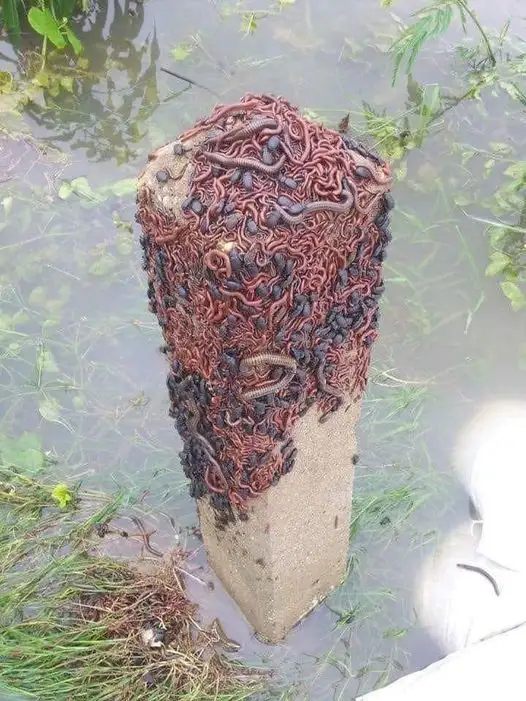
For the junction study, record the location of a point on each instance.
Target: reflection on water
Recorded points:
(80, 364)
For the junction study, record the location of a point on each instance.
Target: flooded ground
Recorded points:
(80, 365)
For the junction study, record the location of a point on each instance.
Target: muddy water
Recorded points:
(71, 283)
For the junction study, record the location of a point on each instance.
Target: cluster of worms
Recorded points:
(265, 282)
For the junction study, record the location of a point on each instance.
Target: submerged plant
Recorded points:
(431, 22)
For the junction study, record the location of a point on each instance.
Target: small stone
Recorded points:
(162, 176)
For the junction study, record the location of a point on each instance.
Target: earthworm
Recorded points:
(145, 536)
(217, 260)
(474, 568)
(322, 382)
(216, 469)
(248, 163)
(273, 288)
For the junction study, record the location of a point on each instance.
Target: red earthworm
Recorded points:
(241, 297)
(322, 382)
(216, 261)
(317, 166)
(145, 536)
(224, 110)
(248, 163)
(203, 175)
(236, 500)
(213, 469)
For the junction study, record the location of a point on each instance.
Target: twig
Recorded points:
(188, 80)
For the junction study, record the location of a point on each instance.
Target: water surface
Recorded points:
(80, 364)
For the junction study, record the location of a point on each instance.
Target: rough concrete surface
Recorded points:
(293, 549)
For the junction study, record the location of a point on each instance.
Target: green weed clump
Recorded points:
(74, 626)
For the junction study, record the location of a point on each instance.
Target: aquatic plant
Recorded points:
(48, 18)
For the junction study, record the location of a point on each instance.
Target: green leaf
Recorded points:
(514, 91)
(430, 100)
(7, 204)
(45, 24)
(249, 22)
(103, 265)
(66, 82)
(414, 90)
(498, 262)
(500, 148)
(488, 167)
(7, 83)
(49, 409)
(11, 17)
(432, 22)
(514, 293)
(517, 171)
(62, 495)
(82, 188)
(65, 191)
(45, 361)
(128, 186)
(75, 42)
(65, 8)
(24, 453)
(182, 51)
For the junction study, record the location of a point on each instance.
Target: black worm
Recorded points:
(474, 568)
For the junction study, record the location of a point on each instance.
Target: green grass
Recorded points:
(71, 621)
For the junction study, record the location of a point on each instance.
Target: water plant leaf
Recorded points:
(498, 262)
(65, 191)
(514, 293)
(432, 22)
(181, 51)
(127, 186)
(75, 42)
(25, 453)
(11, 17)
(49, 409)
(65, 8)
(513, 91)
(7, 204)
(249, 22)
(43, 22)
(61, 494)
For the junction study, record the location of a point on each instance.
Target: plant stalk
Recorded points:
(464, 5)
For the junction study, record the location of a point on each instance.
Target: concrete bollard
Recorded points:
(263, 236)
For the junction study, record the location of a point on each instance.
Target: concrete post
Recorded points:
(263, 238)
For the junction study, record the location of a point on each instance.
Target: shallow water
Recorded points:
(80, 362)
